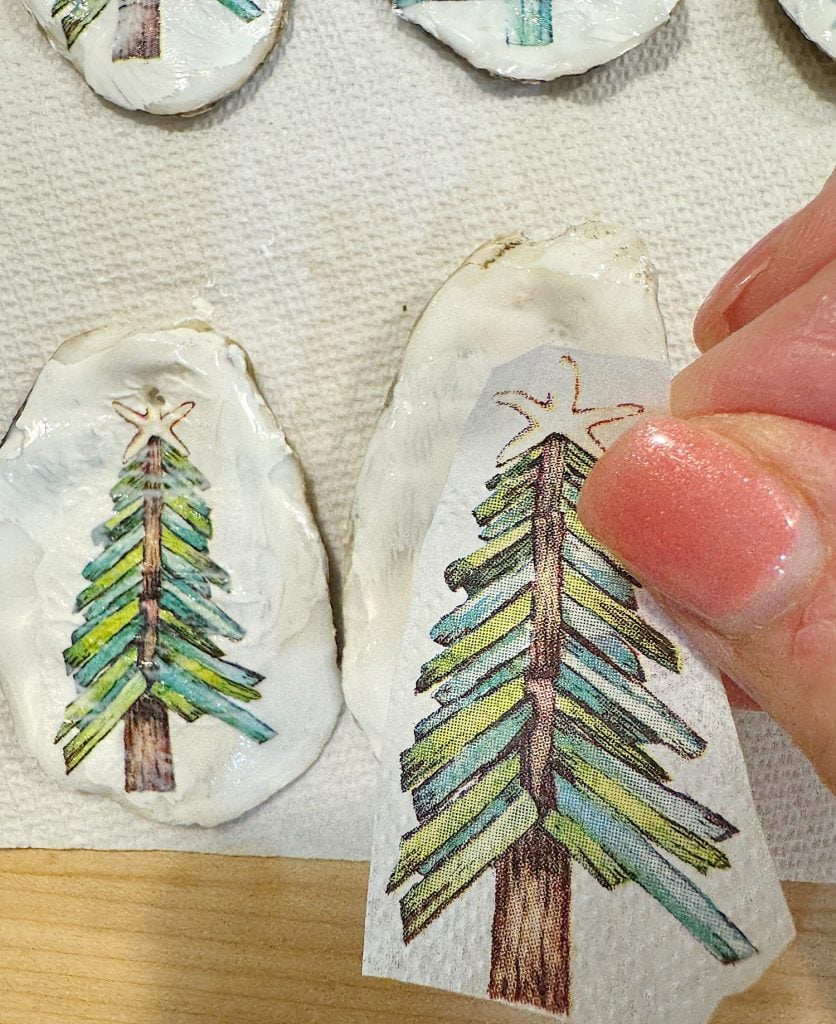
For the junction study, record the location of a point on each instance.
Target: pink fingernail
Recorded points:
(725, 309)
(703, 524)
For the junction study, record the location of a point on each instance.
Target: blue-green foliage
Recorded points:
(614, 809)
(79, 14)
(527, 22)
(189, 673)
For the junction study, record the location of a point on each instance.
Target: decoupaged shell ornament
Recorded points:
(538, 40)
(817, 20)
(168, 639)
(591, 289)
(162, 56)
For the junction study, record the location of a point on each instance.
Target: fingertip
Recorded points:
(683, 389)
(783, 260)
(710, 326)
(739, 296)
(781, 364)
(601, 491)
(702, 523)
(720, 518)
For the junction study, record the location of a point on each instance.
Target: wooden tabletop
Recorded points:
(164, 938)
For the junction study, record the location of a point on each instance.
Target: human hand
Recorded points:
(726, 511)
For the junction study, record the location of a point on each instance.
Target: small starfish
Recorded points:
(154, 423)
(557, 415)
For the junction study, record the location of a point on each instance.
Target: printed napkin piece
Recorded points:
(564, 816)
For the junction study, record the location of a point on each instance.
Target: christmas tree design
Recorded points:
(146, 646)
(138, 24)
(537, 754)
(527, 22)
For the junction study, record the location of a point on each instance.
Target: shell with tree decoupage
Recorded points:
(162, 56)
(173, 647)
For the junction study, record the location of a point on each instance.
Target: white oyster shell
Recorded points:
(592, 289)
(816, 19)
(202, 49)
(538, 40)
(58, 464)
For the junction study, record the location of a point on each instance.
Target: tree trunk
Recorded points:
(137, 30)
(148, 761)
(148, 764)
(543, 670)
(530, 952)
(530, 955)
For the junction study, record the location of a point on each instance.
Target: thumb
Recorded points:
(730, 520)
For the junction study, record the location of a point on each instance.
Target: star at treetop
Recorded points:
(154, 423)
(560, 413)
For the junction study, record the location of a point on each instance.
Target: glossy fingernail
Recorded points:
(725, 309)
(783, 363)
(703, 524)
(780, 262)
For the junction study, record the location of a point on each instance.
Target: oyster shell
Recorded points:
(592, 289)
(538, 40)
(168, 639)
(816, 19)
(162, 56)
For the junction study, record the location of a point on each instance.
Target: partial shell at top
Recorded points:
(538, 40)
(817, 20)
(162, 56)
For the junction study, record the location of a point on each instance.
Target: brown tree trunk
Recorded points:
(530, 955)
(148, 761)
(148, 764)
(137, 30)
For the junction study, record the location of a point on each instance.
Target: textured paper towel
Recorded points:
(311, 217)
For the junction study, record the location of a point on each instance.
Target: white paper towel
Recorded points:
(312, 215)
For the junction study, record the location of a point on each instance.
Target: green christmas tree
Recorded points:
(528, 22)
(537, 754)
(146, 646)
(138, 24)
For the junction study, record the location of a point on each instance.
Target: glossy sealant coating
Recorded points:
(702, 523)
(162, 56)
(538, 40)
(153, 524)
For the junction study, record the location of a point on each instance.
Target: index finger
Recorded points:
(780, 263)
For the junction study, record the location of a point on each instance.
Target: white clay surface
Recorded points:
(57, 465)
(816, 19)
(593, 289)
(207, 51)
(585, 33)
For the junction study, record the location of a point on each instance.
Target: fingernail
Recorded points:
(724, 311)
(703, 524)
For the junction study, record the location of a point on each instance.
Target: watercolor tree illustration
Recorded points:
(527, 22)
(146, 647)
(537, 754)
(138, 29)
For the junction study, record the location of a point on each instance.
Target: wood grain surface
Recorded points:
(163, 938)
